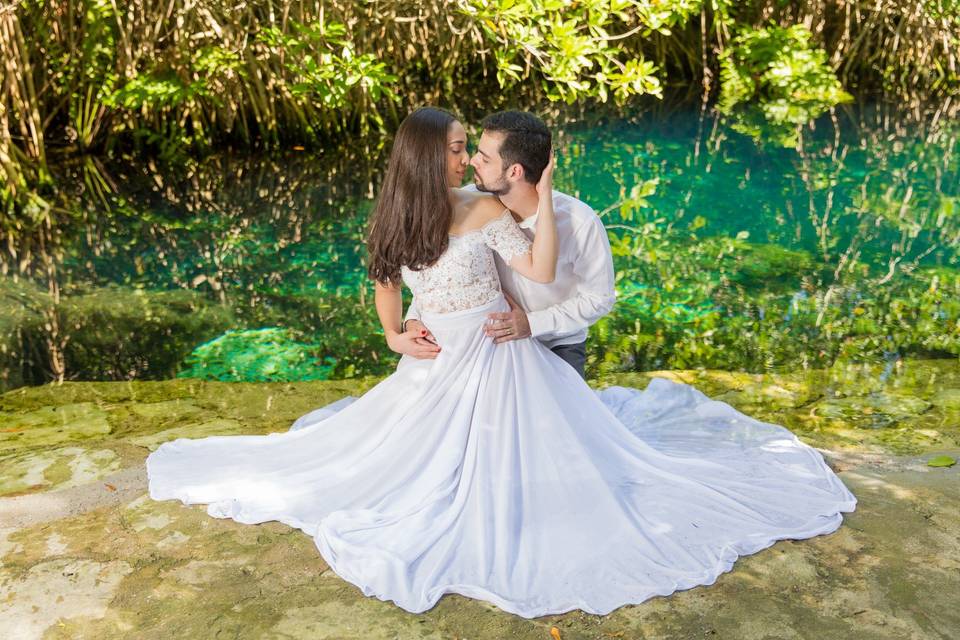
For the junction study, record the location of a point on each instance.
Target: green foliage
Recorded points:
(572, 47)
(325, 68)
(256, 355)
(728, 255)
(675, 309)
(152, 92)
(341, 323)
(686, 300)
(105, 76)
(784, 73)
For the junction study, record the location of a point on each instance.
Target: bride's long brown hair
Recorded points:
(413, 213)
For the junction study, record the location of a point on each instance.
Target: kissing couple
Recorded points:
(484, 465)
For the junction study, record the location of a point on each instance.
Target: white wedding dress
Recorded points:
(495, 472)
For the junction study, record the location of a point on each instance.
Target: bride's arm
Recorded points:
(540, 263)
(389, 304)
(544, 251)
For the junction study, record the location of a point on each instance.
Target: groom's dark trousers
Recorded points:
(574, 354)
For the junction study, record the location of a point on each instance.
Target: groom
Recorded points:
(511, 155)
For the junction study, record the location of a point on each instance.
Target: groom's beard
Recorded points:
(503, 190)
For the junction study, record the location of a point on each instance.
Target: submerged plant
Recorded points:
(256, 355)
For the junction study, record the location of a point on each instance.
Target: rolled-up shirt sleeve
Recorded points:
(595, 294)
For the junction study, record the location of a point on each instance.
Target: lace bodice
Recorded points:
(465, 276)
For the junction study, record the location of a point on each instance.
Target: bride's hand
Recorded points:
(545, 184)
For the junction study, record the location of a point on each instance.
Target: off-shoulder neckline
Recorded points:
(506, 211)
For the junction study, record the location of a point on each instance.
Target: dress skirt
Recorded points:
(496, 472)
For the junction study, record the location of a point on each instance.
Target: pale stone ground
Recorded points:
(84, 552)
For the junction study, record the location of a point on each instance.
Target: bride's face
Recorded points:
(457, 156)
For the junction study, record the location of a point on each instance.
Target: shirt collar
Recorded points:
(528, 223)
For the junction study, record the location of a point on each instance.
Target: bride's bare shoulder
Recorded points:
(476, 209)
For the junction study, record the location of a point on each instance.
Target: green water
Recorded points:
(738, 254)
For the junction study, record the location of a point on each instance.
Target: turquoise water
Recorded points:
(846, 169)
(731, 233)
(301, 217)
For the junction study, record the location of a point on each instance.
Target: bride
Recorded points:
(493, 470)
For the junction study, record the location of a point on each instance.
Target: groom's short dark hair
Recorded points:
(526, 141)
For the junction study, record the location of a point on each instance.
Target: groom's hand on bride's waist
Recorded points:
(508, 325)
(416, 341)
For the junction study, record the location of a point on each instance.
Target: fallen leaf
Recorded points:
(555, 633)
(109, 486)
(941, 461)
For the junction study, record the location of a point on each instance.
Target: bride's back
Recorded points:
(465, 275)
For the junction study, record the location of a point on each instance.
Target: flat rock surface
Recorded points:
(85, 553)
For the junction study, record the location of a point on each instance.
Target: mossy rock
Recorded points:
(876, 410)
(111, 333)
(60, 468)
(53, 425)
(118, 333)
(162, 569)
(761, 264)
(217, 427)
(947, 399)
(851, 408)
(782, 393)
(25, 399)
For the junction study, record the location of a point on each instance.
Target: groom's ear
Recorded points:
(515, 172)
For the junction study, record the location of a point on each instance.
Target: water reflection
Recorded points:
(731, 252)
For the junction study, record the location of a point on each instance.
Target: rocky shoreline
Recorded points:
(86, 553)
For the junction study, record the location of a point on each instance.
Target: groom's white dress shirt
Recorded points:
(582, 292)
